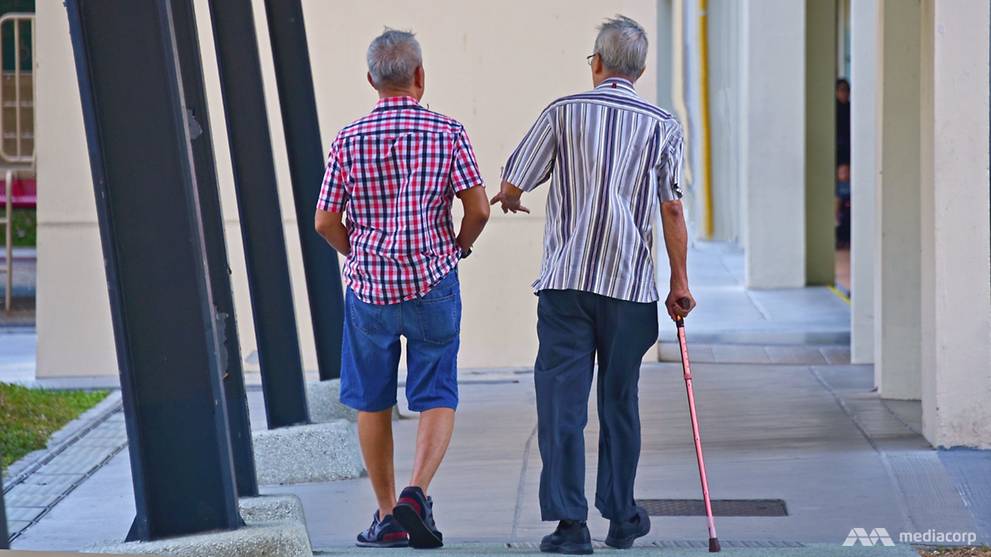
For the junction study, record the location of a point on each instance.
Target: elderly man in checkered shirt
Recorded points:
(395, 173)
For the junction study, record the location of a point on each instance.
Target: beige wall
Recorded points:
(493, 65)
(74, 334)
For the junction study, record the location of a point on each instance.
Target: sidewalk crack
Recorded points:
(521, 486)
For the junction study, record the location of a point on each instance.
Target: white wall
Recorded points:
(486, 65)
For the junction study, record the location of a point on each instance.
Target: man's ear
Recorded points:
(597, 65)
(371, 81)
(419, 77)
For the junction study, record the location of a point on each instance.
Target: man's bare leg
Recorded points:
(432, 438)
(375, 435)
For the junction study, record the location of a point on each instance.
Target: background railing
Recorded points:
(17, 90)
(17, 146)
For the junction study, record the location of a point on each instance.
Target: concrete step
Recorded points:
(704, 353)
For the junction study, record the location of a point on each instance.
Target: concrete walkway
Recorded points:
(797, 425)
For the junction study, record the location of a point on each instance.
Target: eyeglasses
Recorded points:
(590, 56)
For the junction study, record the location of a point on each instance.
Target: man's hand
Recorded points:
(509, 195)
(674, 302)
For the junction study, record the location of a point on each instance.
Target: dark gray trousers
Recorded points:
(576, 328)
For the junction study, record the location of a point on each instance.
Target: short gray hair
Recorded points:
(393, 58)
(622, 46)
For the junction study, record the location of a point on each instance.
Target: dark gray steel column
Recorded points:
(261, 218)
(153, 248)
(306, 165)
(4, 535)
(191, 71)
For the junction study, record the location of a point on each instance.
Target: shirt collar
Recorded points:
(617, 83)
(389, 103)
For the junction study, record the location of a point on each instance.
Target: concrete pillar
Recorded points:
(897, 369)
(956, 237)
(773, 150)
(820, 141)
(863, 169)
(724, 110)
(664, 54)
(75, 335)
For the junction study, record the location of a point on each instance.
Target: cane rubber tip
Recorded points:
(714, 545)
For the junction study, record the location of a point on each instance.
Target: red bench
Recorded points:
(25, 194)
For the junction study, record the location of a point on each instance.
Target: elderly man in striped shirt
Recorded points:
(613, 160)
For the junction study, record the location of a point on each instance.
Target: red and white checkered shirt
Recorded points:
(396, 171)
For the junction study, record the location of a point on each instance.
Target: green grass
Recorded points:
(29, 416)
(25, 224)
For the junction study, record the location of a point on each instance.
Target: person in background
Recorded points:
(842, 122)
(842, 163)
(613, 159)
(843, 206)
(395, 173)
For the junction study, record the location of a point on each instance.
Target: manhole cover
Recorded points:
(720, 507)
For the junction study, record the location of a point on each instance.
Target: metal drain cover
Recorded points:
(720, 507)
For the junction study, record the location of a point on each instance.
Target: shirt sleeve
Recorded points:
(464, 168)
(669, 165)
(531, 163)
(333, 193)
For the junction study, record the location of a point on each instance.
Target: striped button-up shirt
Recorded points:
(612, 157)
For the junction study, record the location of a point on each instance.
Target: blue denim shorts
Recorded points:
(371, 350)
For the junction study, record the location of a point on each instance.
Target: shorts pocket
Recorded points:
(440, 318)
(368, 318)
(446, 289)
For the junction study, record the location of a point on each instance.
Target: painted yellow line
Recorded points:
(707, 217)
(839, 294)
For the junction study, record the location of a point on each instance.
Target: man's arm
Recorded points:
(330, 225)
(476, 207)
(529, 165)
(676, 240)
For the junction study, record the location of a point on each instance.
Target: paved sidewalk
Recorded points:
(17, 356)
(662, 550)
(812, 434)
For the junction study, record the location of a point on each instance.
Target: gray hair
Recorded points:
(622, 46)
(393, 58)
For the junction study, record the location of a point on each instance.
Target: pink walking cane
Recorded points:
(686, 366)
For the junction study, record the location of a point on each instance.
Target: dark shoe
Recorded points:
(415, 512)
(622, 533)
(571, 537)
(383, 533)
